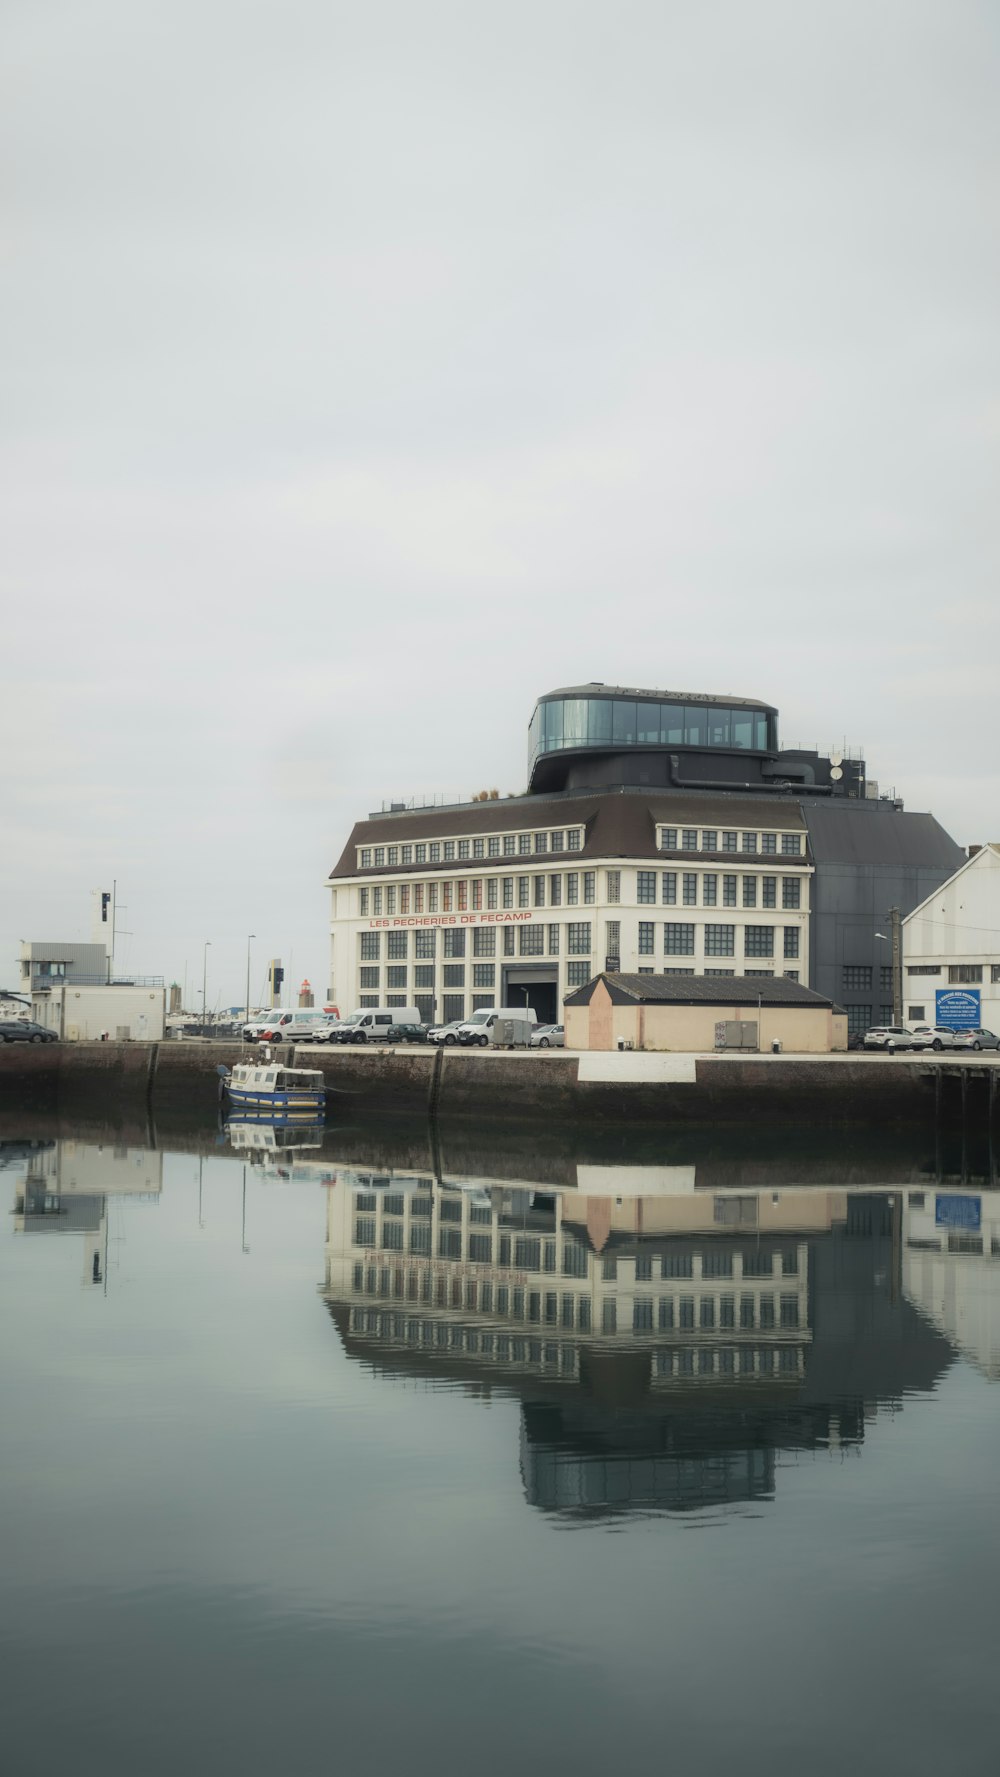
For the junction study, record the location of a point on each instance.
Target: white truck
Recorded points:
(373, 1024)
(498, 1027)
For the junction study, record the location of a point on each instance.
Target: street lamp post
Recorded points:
(250, 937)
(204, 985)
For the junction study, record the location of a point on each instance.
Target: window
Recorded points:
(574, 839)
(645, 886)
(994, 971)
(689, 839)
(762, 974)
(532, 940)
(791, 891)
(678, 939)
(366, 857)
(719, 972)
(749, 842)
(858, 1020)
(396, 945)
(396, 975)
(554, 940)
(578, 937)
(645, 937)
(678, 971)
(642, 1314)
(589, 887)
(390, 898)
(523, 844)
(690, 888)
(493, 845)
(965, 972)
(370, 946)
(555, 891)
(420, 854)
(729, 891)
(369, 977)
(557, 841)
(541, 842)
(791, 845)
(885, 977)
(729, 841)
(508, 940)
(509, 845)
(668, 839)
(508, 891)
(539, 891)
(749, 891)
(449, 851)
(613, 942)
(523, 885)
(452, 1007)
(669, 888)
(934, 969)
(720, 940)
(404, 898)
(393, 857)
(791, 941)
(491, 892)
(577, 974)
(769, 894)
(454, 943)
(363, 902)
(769, 843)
(484, 941)
(454, 974)
(709, 839)
(432, 897)
(380, 857)
(613, 886)
(423, 975)
(435, 851)
(484, 974)
(573, 888)
(758, 941)
(709, 889)
(424, 944)
(917, 1014)
(376, 900)
(446, 894)
(856, 977)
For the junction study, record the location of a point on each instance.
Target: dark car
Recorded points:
(408, 1033)
(24, 1030)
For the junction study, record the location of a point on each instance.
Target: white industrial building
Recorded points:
(951, 948)
(75, 992)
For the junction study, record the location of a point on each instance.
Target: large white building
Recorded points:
(951, 948)
(451, 909)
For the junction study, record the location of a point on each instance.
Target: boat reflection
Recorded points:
(669, 1346)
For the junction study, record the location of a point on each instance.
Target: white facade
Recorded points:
(951, 942)
(951, 1269)
(523, 917)
(82, 1014)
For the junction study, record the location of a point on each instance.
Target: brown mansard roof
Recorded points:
(617, 824)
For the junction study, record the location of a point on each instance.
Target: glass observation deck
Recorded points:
(612, 720)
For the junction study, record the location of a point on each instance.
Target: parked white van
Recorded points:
(285, 1024)
(498, 1027)
(372, 1024)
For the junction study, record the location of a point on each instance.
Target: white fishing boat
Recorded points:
(276, 1090)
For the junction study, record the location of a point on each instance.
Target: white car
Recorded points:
(935, 1036)
(887, 1036)
(548, 1036)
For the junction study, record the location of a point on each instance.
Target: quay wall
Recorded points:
(177, 1080)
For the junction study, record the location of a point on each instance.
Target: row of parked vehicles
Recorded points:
(891, 1037)
(511, 1027)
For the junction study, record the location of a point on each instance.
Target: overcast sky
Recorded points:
(373, 368)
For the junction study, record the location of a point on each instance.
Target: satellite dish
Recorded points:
(835, 758)
(836, 774)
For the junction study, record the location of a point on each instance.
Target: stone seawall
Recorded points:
(177, 1080)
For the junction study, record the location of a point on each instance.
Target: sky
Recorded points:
(369, 370)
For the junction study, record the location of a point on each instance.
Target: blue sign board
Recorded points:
(957, 1007)
(959, 1212)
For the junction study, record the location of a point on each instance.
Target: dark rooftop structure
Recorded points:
(698, 990)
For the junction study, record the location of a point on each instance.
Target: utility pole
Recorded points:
(896, 937)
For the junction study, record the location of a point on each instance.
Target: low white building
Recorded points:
(951, 948)
(76, 992)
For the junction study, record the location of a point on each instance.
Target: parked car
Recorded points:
(976, 1039)
(24, 1030)
(934, 1036)
(548, 1036)
(327, 1031)
(444, 1033)
(407, 1033)
(887, 1036)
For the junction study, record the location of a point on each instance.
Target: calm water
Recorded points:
(306, 1465)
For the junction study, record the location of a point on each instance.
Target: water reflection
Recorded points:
(667, 1345)
(67, 1187)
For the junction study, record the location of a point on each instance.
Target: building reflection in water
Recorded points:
(667, 1345)
(66, 1187)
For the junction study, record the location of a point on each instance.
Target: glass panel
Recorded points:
(599, 722)
(742, 728)
(553, 725)
(534, 732)
(623, 723)
(718, 727)
(648, 724)
(672, 724)
(574, 719)
(695, 725)
(761, 740)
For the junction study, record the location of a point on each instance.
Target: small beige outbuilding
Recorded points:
(695, 1013)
